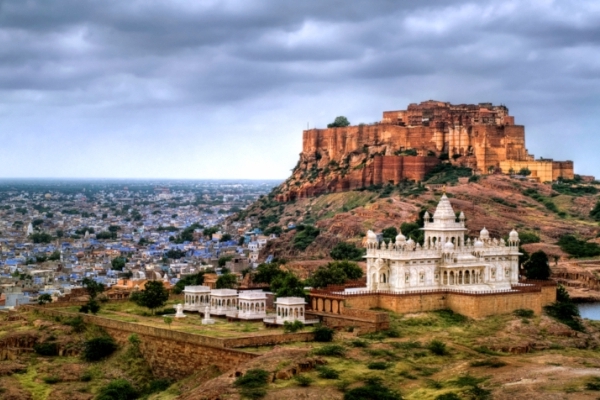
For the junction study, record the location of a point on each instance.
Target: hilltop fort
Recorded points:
(407, 144)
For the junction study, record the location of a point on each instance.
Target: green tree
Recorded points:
(537, 267)
(153, 296)
(389, 234)
(168, 321)
(265, 273)
(346, 251)
(339, 122)
(190, 280)
(227, 281)
(44, 298)
(336, 273)
(60, 233)
(287, 285)
(40, 237)
(223, 260)
(55, 256)
(92, 287)
(118, 263)
(524, 171)
(225, 238)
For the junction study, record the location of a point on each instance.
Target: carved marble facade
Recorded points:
(445, 260)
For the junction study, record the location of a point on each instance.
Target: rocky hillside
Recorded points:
(497, 202)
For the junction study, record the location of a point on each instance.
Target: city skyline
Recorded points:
(223, 90)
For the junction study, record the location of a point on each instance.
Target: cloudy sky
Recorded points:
(223, 89)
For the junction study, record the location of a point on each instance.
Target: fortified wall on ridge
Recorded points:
(407, 144)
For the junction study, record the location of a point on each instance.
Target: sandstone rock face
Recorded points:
(406, 144)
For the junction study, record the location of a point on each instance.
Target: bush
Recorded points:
(593, 384)
(331, 350)
(380, 365)
(359, 343)
(437, 347)
(328, 373)
(76, 323)
(524, 313)
(253, 383)
(323, 334)
(157, 385)
(490, 362)
(99, 348)
(51, 380)
(86, 377)
(448, 396)
(291, 327)
(305, 235)
(372, 390)
(578, 248)
(303, 380)
(46, 349)
(119, 389)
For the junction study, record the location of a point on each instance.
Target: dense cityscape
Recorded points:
(54, 234)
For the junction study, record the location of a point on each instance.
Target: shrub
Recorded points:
(46, 349)
(119, 389)
(303, 380)
(578, 248)
(305, 235)
(76, 323)
(437, 347)
(157, 385)
(380, 365)
(372, 390)
(490, 362)
(323, 334)
(359, 343)
(328, 373)
(291, 327)
(524, 313)
(98, 348)
(51, 380)
(332, 350)
(86, 377)
(253, 383)
(448, 396)
(593, 384)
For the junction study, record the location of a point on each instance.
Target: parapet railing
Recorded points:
(519, 288)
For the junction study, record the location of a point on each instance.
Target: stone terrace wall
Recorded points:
(269, 340)
(169, 353)
(469, 304)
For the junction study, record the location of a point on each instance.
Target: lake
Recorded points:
(590, 311)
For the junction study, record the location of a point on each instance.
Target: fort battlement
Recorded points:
(407, 144)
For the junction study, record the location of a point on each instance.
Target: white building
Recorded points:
(445, 261)
(196, 298)
(223, 301)
(289, 309)
(252, 304)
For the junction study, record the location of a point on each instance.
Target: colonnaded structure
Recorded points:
(446, 259)
(474, 277)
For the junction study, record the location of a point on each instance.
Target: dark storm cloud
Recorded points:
(183, 61)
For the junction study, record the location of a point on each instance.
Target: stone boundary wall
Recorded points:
(473, 305)
(269, 340)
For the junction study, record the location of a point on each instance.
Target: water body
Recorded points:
(590, 311)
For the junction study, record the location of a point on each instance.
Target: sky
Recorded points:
(223, 89)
